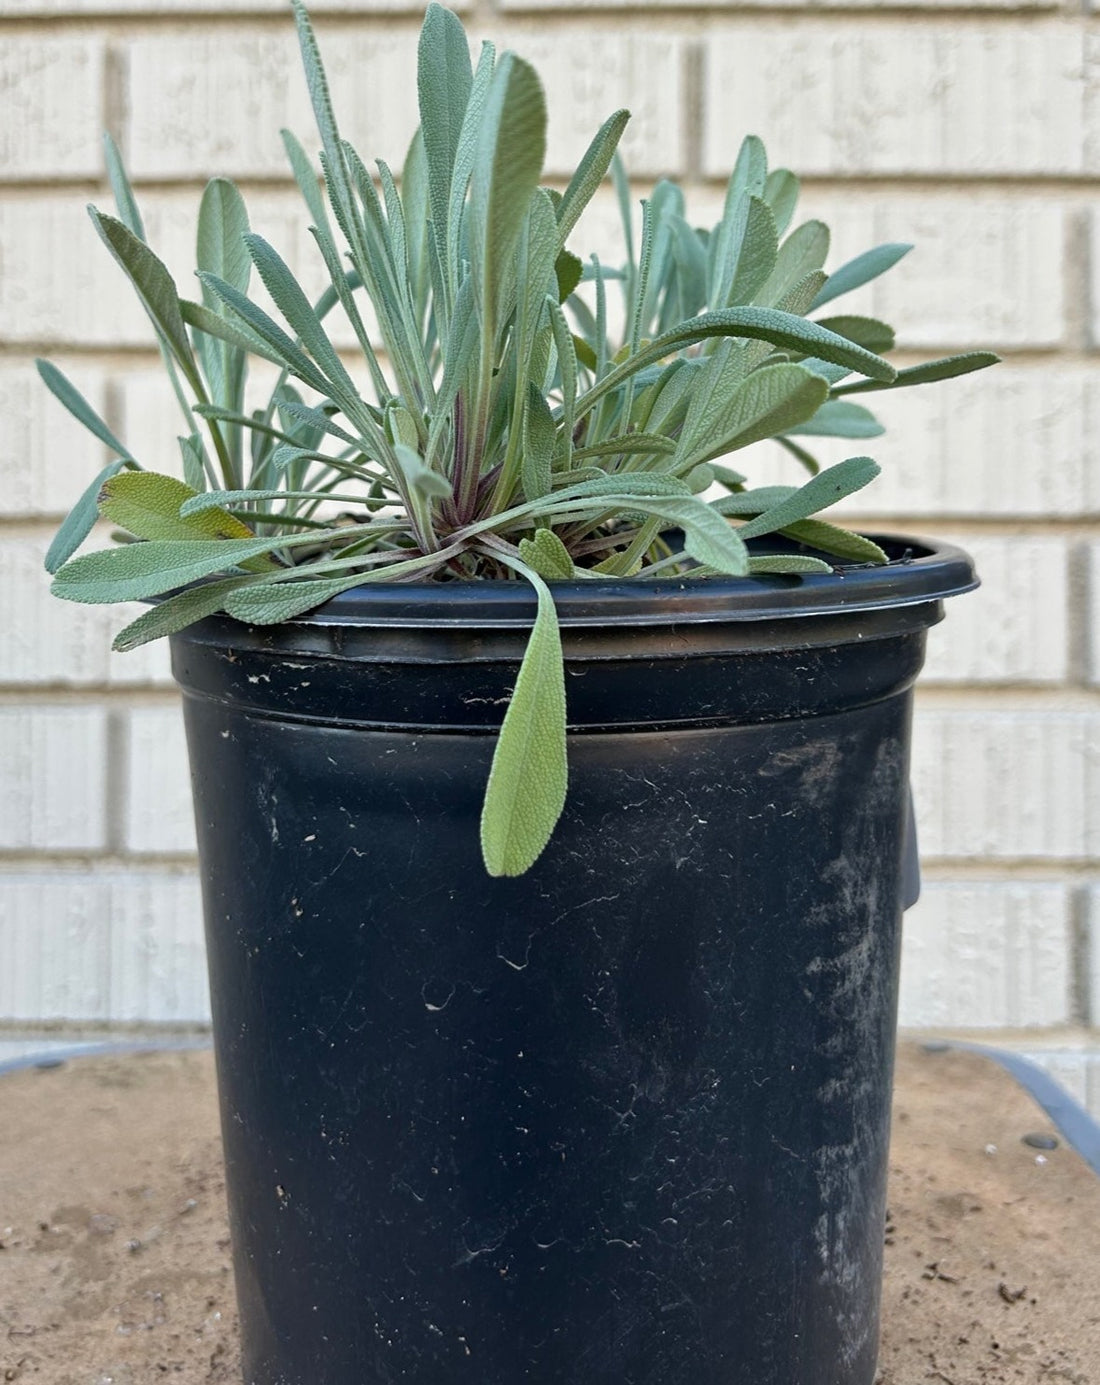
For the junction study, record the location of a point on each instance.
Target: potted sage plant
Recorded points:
(550, 776)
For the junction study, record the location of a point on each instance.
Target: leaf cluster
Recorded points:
(490, 424)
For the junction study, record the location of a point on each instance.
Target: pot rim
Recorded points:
(920, 571)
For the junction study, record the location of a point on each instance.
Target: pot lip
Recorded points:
(920, 571)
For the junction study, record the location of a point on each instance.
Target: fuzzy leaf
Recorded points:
(860, 271)
(781, 194)
(223, 225)
(148, 505)
(549, 557)
(138, 570)
(818, 493)
(79, 522)
(831, 538)
(771, 400)
(177, 612)
(529, 775)
(946, 368)
(787, 564)
(121, 190)
(838, 419)
(539, 436)
(444, 79)
(64, 390)
(590, 173)
(868, 331)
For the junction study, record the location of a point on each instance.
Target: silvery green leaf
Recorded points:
(309, 185)
(787, 564)
(726, 476)
(506, 171)
(590, 173)
(176, 612)
(818, 493)
(66, 392)
(708, 538)
(539, 436)
(281, 347)
(627, 445)
(860, 271)
(155, 287)
(549, 557)
(801, 456)
(123, 193)
(868, 331)
(947, 368)
(748, 179)
(421, 478)
(199, 317)
(193, 458)
(781, 329)
(138, 570)
(773, 399)
(759, 253)
(223, 225)
(465, 156)
(802, 253)
(838, 419)
(781, 194)
(444, 81)
(529, 775)
(831, 538)
(80, 521)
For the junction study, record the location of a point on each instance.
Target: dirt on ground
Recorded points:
(115, 1262)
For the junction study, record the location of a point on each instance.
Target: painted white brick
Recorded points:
(47, 641)
(46, 457)
(1015, 627)
(80, 946)
(215, 104)
(1092, 613)
(59, 284)
(1092, 958)
(581, 5)
(986, 272)
(589, 73)
(185, 8)
(158, 796)
(899, 96)
(986, 956)
(54, 778)
(211, 103)
(1006, 442)
(1000, 785)
(52, 106)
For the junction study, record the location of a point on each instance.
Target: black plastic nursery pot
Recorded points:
(620, 1121)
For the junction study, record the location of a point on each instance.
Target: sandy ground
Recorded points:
(114, 1253)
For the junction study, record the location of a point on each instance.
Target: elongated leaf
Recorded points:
(155, 287)
(223, 225)
(309, 184)
(465, 156)
(283, 348)
(123, 193)
(548, 556)
(708, 538)
(138, 570)
(506, 172)
(64, 390)
(444, 79)
(148, 505)
(747, 180)
(539, 436)
(801, 254)
(529, 775)
(784, 330)
(860, 271)
(838, 419)
(421, 478)
(759, 252)
(79, 522)
(771, 400)
(569, 271)
(590, 173)
(818, 493)
(787, 564)
(868, 331)
(947, 368)
(177, 612)
(781, 194)
(235, 333)
(831, 538)
(194, 461)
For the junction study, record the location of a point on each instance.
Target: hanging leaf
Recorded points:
(528, 779)
(947, 368)
(549, 557)
(79, 522)
(64, 390)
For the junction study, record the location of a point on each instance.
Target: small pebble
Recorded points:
(1040, 1141)
(991, 1149)
(45, 1064)
(936, 1046)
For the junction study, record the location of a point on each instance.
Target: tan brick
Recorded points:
(898, 96)
(55, 771)
(158, 788)
(1092, 614)
(62, 643)
(1004, 785)
(46, 457)
(113, 946)
(186, 8)
(989, 955)
(1015, 627)
(53, 109)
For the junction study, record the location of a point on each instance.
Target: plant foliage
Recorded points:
(491, 427)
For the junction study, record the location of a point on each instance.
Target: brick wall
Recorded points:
(972, 129)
